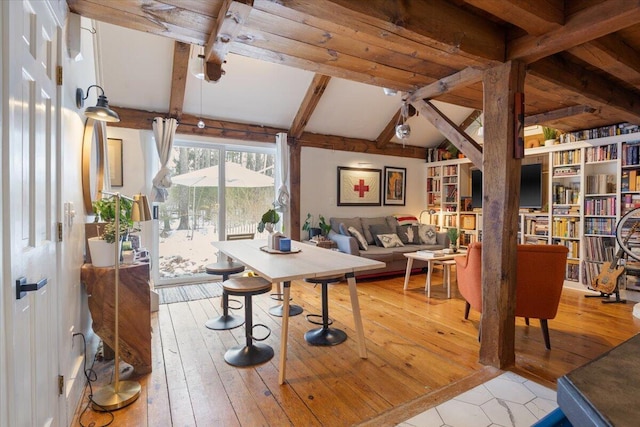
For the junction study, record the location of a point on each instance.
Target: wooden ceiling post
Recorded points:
(500, 210)
(295, 152)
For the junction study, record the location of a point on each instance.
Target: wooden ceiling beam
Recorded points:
(463, 78)
(531, 16)
(451, 131)
(389, 131)
(139, 119)
(466, 123)
(355, 145)
(435, 23)
(231, 18)
(181, 53)
(586, 87)
(561, 113)
(582, 27)
(309, 104)
(178, 23)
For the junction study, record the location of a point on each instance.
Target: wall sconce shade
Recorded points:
(101, 111)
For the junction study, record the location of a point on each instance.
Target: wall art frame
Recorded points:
(359, 186)
(395, 186)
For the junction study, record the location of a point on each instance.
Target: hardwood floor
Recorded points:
(421, 353)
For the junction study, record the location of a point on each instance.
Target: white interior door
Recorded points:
(29, 217)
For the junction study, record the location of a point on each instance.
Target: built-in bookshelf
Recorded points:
(592, 180)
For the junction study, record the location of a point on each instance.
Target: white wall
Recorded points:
(319, 183)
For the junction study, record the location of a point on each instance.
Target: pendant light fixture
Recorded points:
(201, 124)
(403, 130)
(101, 111)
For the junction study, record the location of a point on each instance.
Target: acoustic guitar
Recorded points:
(608, 278)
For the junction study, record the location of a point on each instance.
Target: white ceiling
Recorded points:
(136, 71)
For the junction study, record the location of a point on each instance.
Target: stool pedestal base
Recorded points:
(248, 355)
(224, 322)
(294, 310)
(325, 336)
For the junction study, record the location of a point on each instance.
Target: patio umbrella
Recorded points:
(235, 176)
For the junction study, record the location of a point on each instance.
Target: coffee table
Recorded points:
(445, 260)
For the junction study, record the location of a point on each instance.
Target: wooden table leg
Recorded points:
(428, 283)
(285, 332)
(447, 268)
(357, 319)
(408, 273)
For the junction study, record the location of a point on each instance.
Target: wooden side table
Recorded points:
(134, 310)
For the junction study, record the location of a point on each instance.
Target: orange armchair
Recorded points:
(540, 276)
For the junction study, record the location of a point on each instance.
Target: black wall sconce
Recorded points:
(101, 111)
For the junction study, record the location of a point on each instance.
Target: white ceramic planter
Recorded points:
(549, 142)
(102, 253)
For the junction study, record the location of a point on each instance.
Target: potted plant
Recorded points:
(550, 135)
(102, 247)
(268, 220)
(322, 229)
(453, 234)
(309, 227)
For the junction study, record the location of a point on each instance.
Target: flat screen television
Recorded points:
(530, 187)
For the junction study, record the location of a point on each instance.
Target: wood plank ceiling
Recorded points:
(583, 66)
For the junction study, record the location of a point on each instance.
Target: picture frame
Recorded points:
(359, 186)
(395, 186)
(114, 156)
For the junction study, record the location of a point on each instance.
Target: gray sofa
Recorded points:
(396, 262)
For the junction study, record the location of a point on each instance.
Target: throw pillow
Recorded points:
(368, 222)
(408, 234)
(362, 242)
(390, 240)
(406, 219)
(377, 229)
(343, 229)
(427, 234)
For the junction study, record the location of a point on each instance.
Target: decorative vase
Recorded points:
(102, 253)
(453, 248)
(549, 142)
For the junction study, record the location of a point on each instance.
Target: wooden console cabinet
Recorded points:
(134, 310)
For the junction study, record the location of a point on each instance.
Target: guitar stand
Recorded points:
(607, 296)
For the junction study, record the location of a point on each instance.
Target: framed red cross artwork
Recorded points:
(359, 186)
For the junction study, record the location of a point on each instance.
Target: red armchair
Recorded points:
(540, 276)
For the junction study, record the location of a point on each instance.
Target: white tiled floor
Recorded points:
(507, 400)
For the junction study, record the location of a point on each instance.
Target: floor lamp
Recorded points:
(119, 394)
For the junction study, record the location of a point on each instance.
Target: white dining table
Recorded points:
(304, 261)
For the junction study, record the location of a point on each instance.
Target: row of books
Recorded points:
(572, 271)
(538, 226)
(566, 227)
(567, 157)
(601, 153)
(599, 248)
(629, 202)
(566, 210)
(451, 170)
(604, 226)
(434, 185)
(566, 194)
(630, 180)
(631, 153)
(600, 132)
(600, 206)
(600, 183)
(566, 171)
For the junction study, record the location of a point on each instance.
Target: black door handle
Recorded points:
(22, 287)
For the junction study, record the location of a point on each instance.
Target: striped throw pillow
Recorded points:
(406, 220)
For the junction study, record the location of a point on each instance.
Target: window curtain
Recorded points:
(282, 169)
(164, 131)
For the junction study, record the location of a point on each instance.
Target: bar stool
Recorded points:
(251, 353)
(225, 321)
(324, 335)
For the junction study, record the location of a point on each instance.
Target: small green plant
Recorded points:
(269, 217)
(453, 234)
(105, 210)
(326, 228)
(549, 133)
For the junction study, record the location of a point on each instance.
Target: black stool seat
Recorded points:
(225, 321)
(224, 268)
(251, 353)
(324, 335)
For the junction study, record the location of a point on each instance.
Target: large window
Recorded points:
(200, 210)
